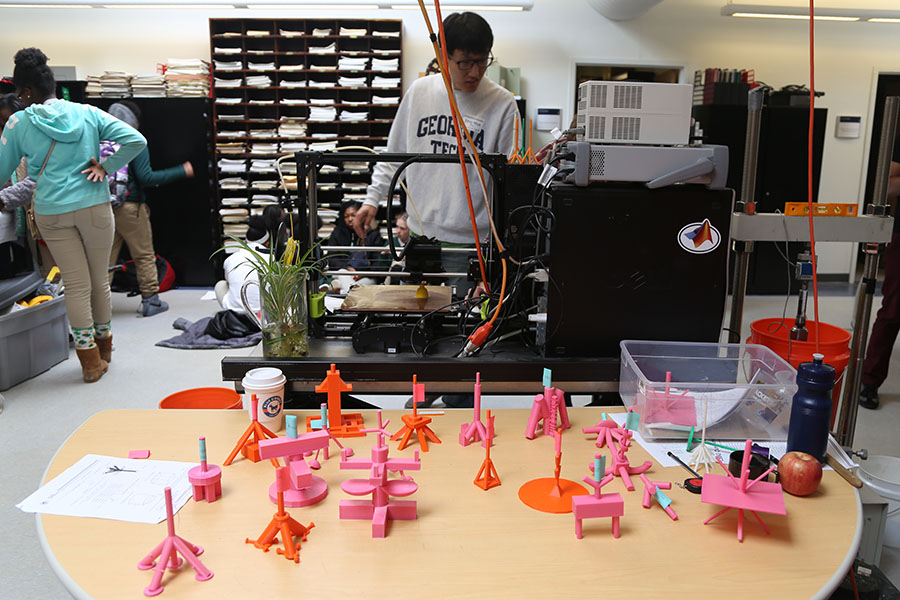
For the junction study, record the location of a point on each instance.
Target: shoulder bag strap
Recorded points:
(41, 172)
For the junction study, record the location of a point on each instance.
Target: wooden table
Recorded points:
(466, 543)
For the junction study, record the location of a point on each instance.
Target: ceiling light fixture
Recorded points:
(763, 11)
(484, 5)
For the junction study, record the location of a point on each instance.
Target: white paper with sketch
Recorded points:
(106, 487)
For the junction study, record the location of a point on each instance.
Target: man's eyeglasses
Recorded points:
(482, 63)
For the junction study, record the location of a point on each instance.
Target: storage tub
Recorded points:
(740, 391)
(32, 340)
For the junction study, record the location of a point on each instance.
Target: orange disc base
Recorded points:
(540, 494)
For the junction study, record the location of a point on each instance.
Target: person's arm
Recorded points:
(16, 195)
(10, 150)
(383, 172)
(131, 140)
(894, 180)
(141, 170)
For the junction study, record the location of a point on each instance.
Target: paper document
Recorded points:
(106, 487)
(679, 447)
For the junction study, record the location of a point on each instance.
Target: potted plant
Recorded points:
(282, 297)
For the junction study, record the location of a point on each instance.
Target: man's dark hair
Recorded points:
(12, 102)
(31, 70)
(468, 32)
(132, 107)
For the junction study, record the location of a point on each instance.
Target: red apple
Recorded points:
(800, 473)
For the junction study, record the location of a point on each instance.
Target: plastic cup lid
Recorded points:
(263, 377)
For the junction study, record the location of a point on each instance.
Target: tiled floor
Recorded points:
(40, 413)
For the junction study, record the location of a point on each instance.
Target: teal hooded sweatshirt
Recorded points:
(77, 129)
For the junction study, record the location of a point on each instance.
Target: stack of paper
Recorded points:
(321, 84)
(349, 31)
(386, 33)
(292, 129)
(258, 32)
(351, 81)
(225, 50)
(291, 67)
(259, 81)
(148, 86)
(263, 133)
(385, 100)
(228, 100)
(264, 199)
(321, 31)
(228, 65)
(347, 63)
(293, 146)
(292, 83)
(264, 184)
(323, 146)
(232, 165)
(230, 116)
(388, 82)
(322, 113)
(385, 64)
(234, 215)
(266, 66)
(115, 84)
(347, 115)
(294, 101)
(187, 77)
(230, 147)
(329, 49)
(261, 102)
(234, 201)
(229, 82)
(232, 183)
(238, 230)
(93, 87)
(262, 165)
(257, 148)
(288, 33)
(321, 101)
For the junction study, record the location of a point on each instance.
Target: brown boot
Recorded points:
(105, 345)
(92, 366)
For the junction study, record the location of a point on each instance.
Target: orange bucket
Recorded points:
(834, 344)
(205, 397)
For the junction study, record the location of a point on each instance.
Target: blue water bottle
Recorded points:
(811, 409)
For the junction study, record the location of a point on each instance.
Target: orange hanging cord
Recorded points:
(440, 50)
(809, 164)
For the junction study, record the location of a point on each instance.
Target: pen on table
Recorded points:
(680, 462)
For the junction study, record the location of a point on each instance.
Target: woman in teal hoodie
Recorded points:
(60, 141)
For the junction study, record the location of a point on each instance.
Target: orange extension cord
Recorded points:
(809, 165)
(482, 332)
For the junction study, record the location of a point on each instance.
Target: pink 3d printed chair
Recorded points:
(596, 505)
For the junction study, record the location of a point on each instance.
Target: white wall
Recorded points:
(545, 42)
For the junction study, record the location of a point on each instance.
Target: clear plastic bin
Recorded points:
(740, 391)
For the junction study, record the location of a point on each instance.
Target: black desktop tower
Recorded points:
(627, 262)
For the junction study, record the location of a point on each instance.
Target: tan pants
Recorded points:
(80, 241)
(133, 228)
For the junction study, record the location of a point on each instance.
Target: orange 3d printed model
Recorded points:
(283, 524)
(250, 447)
(487, 477)
(339, 424)
(415, 423)
(551, 494)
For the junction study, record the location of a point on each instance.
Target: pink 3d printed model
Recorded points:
(487, 477)
(551, 494)
(618, 439)
(205, 479)
(380, 508)
(165, 555)
(304, 488)
(754, 496)
(476, 431)
(415, 423)
(547, 408)
(666, 407)
(596, 505)
(283, 524)
(339, 424)
(247, 446)
(654, 489)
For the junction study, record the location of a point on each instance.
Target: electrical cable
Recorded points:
(809, 164)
